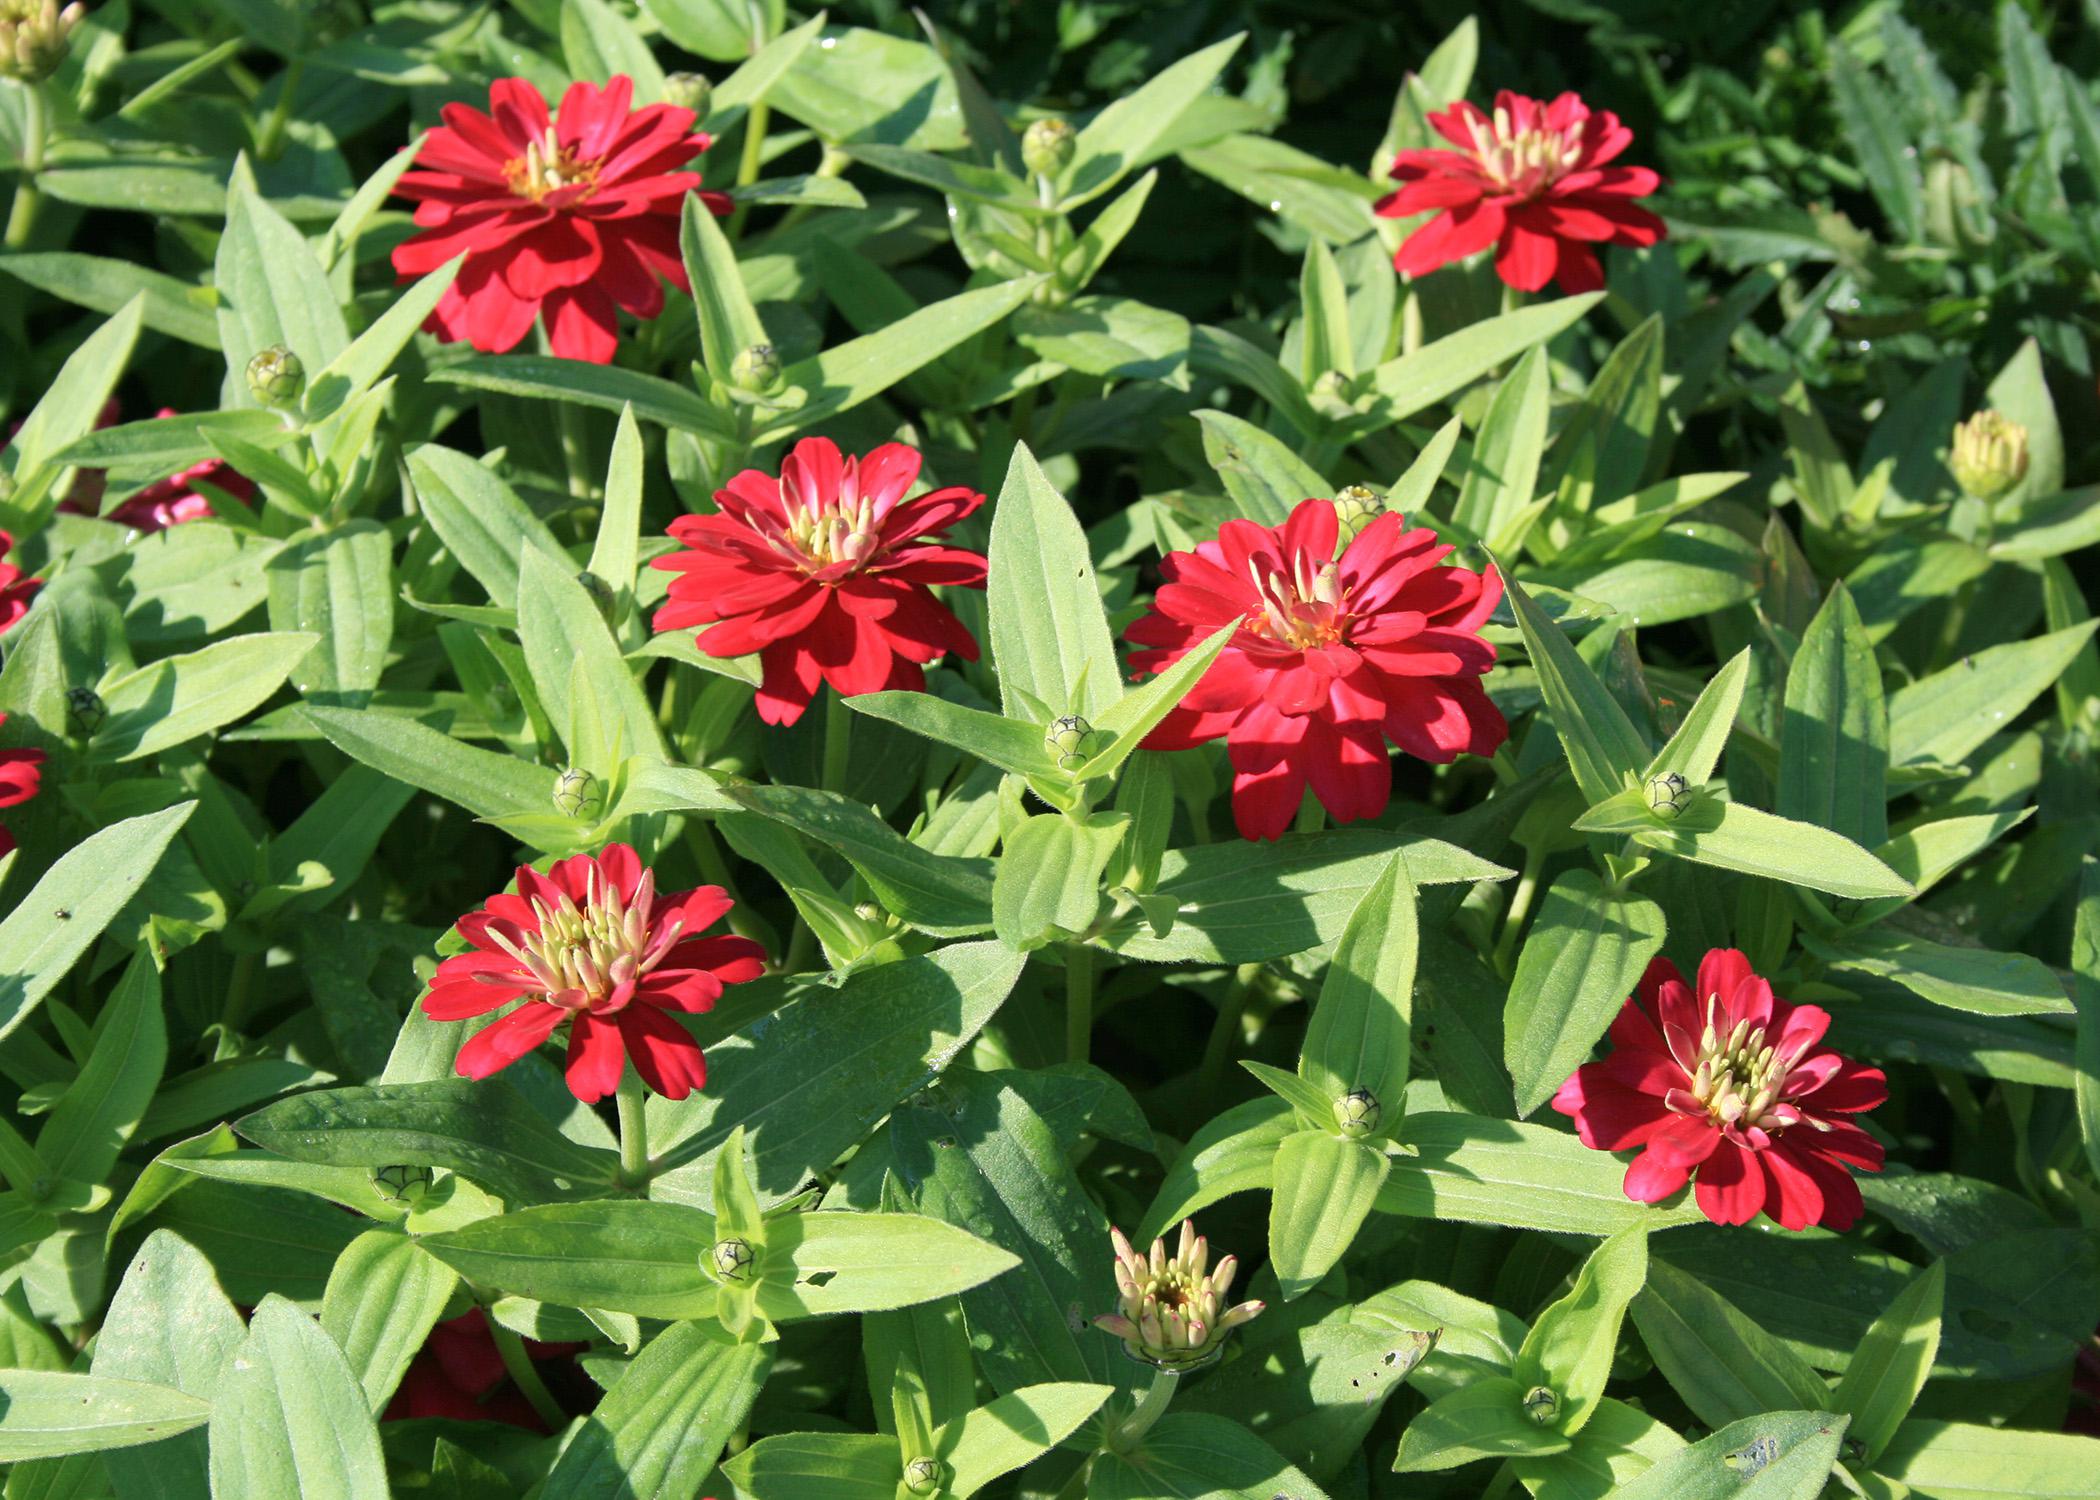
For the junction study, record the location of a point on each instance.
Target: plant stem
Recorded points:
(269, 143)
(240, 992)
(1230, 1014)
(1079, 1001)
(518, 1364)
(748, 164)
(1150, 1408)
(838, 742)
(21, 219)
(634, 1129)
(1519, 908)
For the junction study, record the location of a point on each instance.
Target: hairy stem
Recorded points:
(634, 1129)
(518, 1365)
(21, 219)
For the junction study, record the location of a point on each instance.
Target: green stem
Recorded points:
(834, 164)
(1519, 908)
(518, 1364)
(634, 1129)
(240, 992)
(1079, 1001)
(1075, 1488)
(1218, 1049)
(270, 143)
(838, 742)
(21, 219)
(1150, 1408)
(747, 167)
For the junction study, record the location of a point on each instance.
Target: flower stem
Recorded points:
(1079, 1001)
(518, 1364)
(838, 741)
(1218, 1049)
(634, 1130)
(747, 167)
(1519, 908)
(21, 218)
(269, 145)
(1150, 1408)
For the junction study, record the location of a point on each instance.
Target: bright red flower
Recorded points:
(1732, 1085)
(591, 943)
(16, 588)
(570, 218)
(21, 774)
(1334, 656)
(1531, 180)
(825, 572)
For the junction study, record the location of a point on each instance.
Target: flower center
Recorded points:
(829, 532)
(590, 957)
(1739, 1077)
(1524, 162)
(1302, 608)
(549, 167)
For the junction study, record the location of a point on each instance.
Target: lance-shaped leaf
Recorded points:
(1485, 1419)
(590, 692)
(383, 1298)
(1011, 744)
(1586, 950)
(1479, 1171)
(1453, 362)
(180, 697)
(337, 587)
(615, 553)
(1947, 715)
(1718, 1360)
(826, 1262)
(1120, 138)
(624, 1255)
(1569, 1348)
(1736, 836)
(1047, 885)
(1125, 723)
(1233, 1152)
(1778, 1455)
(1891, 1364)
(607, 387)
(1970, 1459)
(2085, 989)
(480, 519)
(1503, 475)
(1325, 1186)
(1695, 749)
(728, 322)
(489, 785)
(372, 353)
(1194, 1454)
(48, 1413)
(98, 1112)
(69, 407)
(1049, 629)
(1264, 476)
(1604, 749)
(1834, 743)
(288, 1417)
(1362, 1025)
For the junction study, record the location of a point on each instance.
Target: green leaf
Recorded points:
(1964, 978)
(339, 588)
(1197, 1456)
(819, 1466)
(1777, 1455)
(1690, 569)
(1315, 196)
(1834, 744)
(1695, 749)
(1012, 1430)
(1481, 1171)
(178, 698)
(98, 1112)
(70, 406)
(66, 911)
(1233, 1152)
(1131, 717)
(383, 1298)
(480, 519)
(289, 1419)
(47, 1413)
(1502, 477)
(1262, 474)
(1119, 139)
(482, 1129)
(2085, 991)
(1447, 366)
(1570, 1345)
(607, 387)
(2021, 392)
(1323, 313)
(1010, 744)
(665, 1421)
(1586, 950)
(1049, 630)
(372, 353)
(599, 44)
(1736, 836)
(1892, 1362)
(590, 692)
(484, 783)
(1325, 1186)
(1115, 338)
(624, 1255)
(728, 322)
(272, 289)
(1720, 1362)
(819, 1263)
(173, 307)
(1362, 1025)
(1047, 884)
(1873, 122)
(1951, 713)
(719, 30)
(1604, 750)
(1484, 1420)
(861, 85)
(1963, 1461)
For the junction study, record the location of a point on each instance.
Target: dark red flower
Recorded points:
(458, 1373)
(163, 503)
(1732, 1085)
(1334, 656)
(21, 773)
(569, 219)
(1529, 179)
(591, 943)
(16, 588)
(825, 572)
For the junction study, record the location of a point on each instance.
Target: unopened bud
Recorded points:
(1990, 454)
(1070, 741)
(85, 710)
(34, 36)
(731, 1259)
(403, 1185)
(1542, 1405)
(924, 1476)
(1047, 146)
(276, 377)
(601, 593)
(756, 369)
(1355, 507)
(1356, 1113)
(1669, 794)
(576, 793)
(690, 91)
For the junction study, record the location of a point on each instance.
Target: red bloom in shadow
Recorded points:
(1529, 179)
(159, 505)
(17, 589)
(591, 943)
(1334, 656)
(825, 572)
(569, 218)
(458, 1373)
(1733, 1086)
(21, 774)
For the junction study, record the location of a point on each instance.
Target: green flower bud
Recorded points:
(1356, 507)
(276, 377)
(1356, 1113)
(34, 36)
(85, 710)
(403, 1185)
(576, 794)
(1070, 741)
(1990, 454)
(756, 369)
(1047, 146)
(1669, 794)
(925, 1476)
(731, 1259)
(1542, 1405)
(690, 91)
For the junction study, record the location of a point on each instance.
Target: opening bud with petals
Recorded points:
(1356, 1113)
(1989, 455)
(34, 35)
(1047, 146)
(1171, 1311)
(1669, 794)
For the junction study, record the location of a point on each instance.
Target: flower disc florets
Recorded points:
(1171, 1310)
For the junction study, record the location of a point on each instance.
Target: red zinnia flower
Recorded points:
(459, 1373)
(1531, 180)
(21, 773)
(591, 943)
(570, 218)
(1731, 1084)
(826, 573)
(163, 503)
(1333, 658)
(16, 589)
